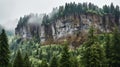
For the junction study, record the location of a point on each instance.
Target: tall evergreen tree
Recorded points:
(26, 61)
(44, 63)
(106, 9)
(4, 50)
(74, 62)
(115, 49)
(53, 62)
(92, 55)
(97, 56)
(112, 8)
(91, 38)
(18, 62)
(107, 48)
(65, 57)
(117, 15)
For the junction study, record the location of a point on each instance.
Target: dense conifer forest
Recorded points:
(98, 50)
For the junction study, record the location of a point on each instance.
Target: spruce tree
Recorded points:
(97, 56)
(4, 50)
(26, 61)
(44, 63)
(65, 57)
(18, 62)
(115, 49)
(53, 62)
(91, 38)
(74, 62)
(107, 46)
(92, 53)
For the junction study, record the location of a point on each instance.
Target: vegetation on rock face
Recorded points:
(104, 18)
(101, 50)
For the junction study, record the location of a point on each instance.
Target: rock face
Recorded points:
(69, 27)
(30, 27)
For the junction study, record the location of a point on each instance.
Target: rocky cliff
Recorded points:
(72, 27)
(65, 27)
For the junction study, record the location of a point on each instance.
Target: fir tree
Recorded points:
(44, 63)
(65, 57)
(4, 50)
(97, 56)
(18, 62)
(53, 62)
(92, 55)
(26, 61)
(107, 48)
(74, 62)
(91, 38)
(40, 54)
(115, 49)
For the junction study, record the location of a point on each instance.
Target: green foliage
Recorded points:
(26, 61)
(92, 52)
(4, 50)
(114, 49)
(44, 63)
(91, 38)
(46, 20)
(65, 57)
(74, 62)
(107, 46)
(98, 50)
(97, 56)
(18, 62)
(54, 62)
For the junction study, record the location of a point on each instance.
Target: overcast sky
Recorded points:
(11, 10)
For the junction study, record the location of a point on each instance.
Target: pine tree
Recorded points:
(26, 61)
(4, 50)
(65, 57)
(97, 56)
(94, 56)
(106, 9)
(53, 62)
(115, 49)
(44, 63)
(18, 62)
(107, 48)
(40, 54)
(91, 38)
(74, 62)
(92, 53)
(112, 8)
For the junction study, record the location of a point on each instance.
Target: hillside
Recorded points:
(72, 35)
(70, 22)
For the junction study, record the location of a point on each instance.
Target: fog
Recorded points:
(11, 10)
(36, 18)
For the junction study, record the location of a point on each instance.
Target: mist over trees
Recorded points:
(99, 50)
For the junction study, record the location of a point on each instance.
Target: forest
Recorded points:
(98, 50)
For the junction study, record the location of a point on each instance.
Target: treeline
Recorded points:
(83, 8)
(76, 9)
